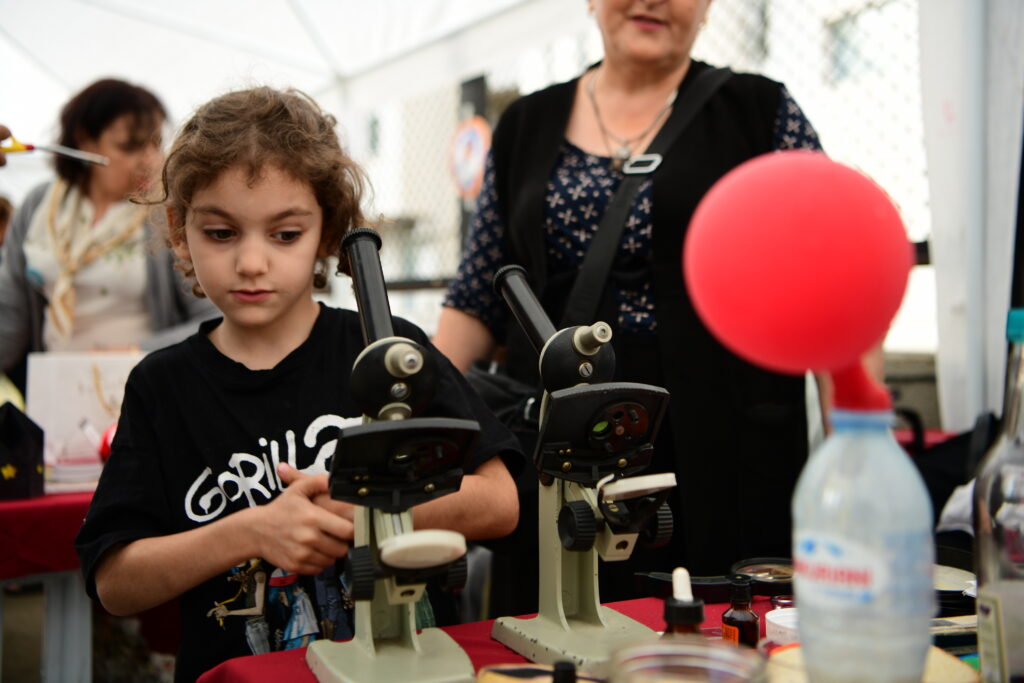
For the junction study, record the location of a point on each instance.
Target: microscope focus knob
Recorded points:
(456, 575)
(577, 526)
(658, 530)
(360, 571)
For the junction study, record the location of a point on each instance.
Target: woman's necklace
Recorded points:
(625, 145)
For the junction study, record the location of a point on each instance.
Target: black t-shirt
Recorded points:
(198, 439)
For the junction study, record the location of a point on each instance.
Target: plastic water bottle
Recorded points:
(999, 529)
(863, 548)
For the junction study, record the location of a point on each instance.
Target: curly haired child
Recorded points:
(225, 439)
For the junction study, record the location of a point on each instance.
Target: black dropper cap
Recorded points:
(682, 608)
(740, 587)
(564, 672)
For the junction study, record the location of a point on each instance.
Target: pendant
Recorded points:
(621, 157)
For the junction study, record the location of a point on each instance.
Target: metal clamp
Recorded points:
(641, 164)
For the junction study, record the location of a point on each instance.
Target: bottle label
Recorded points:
(833, 570)
(730, 634)
(991, 653)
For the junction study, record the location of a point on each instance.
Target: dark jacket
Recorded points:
(736, 435)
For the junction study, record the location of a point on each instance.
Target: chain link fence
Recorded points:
(852, 65)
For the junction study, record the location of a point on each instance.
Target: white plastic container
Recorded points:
(863, 556)
(781, 625)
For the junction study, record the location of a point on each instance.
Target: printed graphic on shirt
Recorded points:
(280, 613)
(254, 475)
(292, 615)
(248, 601)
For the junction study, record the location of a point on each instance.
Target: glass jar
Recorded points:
(688, 658)
(783, 601)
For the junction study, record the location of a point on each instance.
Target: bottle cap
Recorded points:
(564, 671)
(1015, 325)
(740, 587)
(681, 608)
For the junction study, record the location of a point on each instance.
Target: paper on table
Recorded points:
(74, 396)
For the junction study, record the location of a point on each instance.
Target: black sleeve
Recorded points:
(130, 502)
(456, 398)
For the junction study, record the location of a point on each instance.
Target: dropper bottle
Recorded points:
(740, 624)
(683, 614)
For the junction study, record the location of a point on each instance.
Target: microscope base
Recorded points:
(588, 645)
(439, 659)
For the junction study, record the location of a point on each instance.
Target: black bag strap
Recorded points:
(590, 281)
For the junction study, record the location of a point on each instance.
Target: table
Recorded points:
(475, 639)
(37, 537)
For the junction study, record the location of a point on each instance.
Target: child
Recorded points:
(257, 193)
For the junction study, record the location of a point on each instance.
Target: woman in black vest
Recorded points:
(736, 435)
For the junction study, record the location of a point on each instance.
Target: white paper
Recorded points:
(75, 397)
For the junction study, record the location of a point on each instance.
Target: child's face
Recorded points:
(254, 247)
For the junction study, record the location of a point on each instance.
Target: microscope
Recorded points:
(595, 437)
(385, 466)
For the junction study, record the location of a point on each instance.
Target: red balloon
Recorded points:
(797, 262)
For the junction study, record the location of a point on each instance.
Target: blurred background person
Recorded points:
(5, 133)
(79, 269)
(8, 392)
(735, 435)
(6, 209)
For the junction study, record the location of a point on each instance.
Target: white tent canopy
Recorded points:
(188, 51)
(345, 52)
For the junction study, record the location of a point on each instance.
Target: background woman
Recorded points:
(77, 271)
(735, 435)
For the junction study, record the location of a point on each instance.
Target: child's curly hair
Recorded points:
(253, 128)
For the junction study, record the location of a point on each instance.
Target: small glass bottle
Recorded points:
(999, 528)
(740, 624)
(683, 614)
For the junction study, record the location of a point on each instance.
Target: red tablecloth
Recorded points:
(474, 638)
(932, 437)
(37, 534)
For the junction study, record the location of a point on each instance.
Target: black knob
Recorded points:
(577, 526)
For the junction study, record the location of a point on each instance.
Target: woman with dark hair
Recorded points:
(77, 271)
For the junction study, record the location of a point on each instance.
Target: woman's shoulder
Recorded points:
(25, 210)
(533, 118)
(553, 96)
(36, 194)
(749, 81)
(753, 93)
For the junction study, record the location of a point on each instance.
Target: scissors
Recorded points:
(15, 146)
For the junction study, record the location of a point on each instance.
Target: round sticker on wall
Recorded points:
(470, 145)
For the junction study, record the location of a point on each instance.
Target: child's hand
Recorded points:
(298, 535)
(337, 507)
